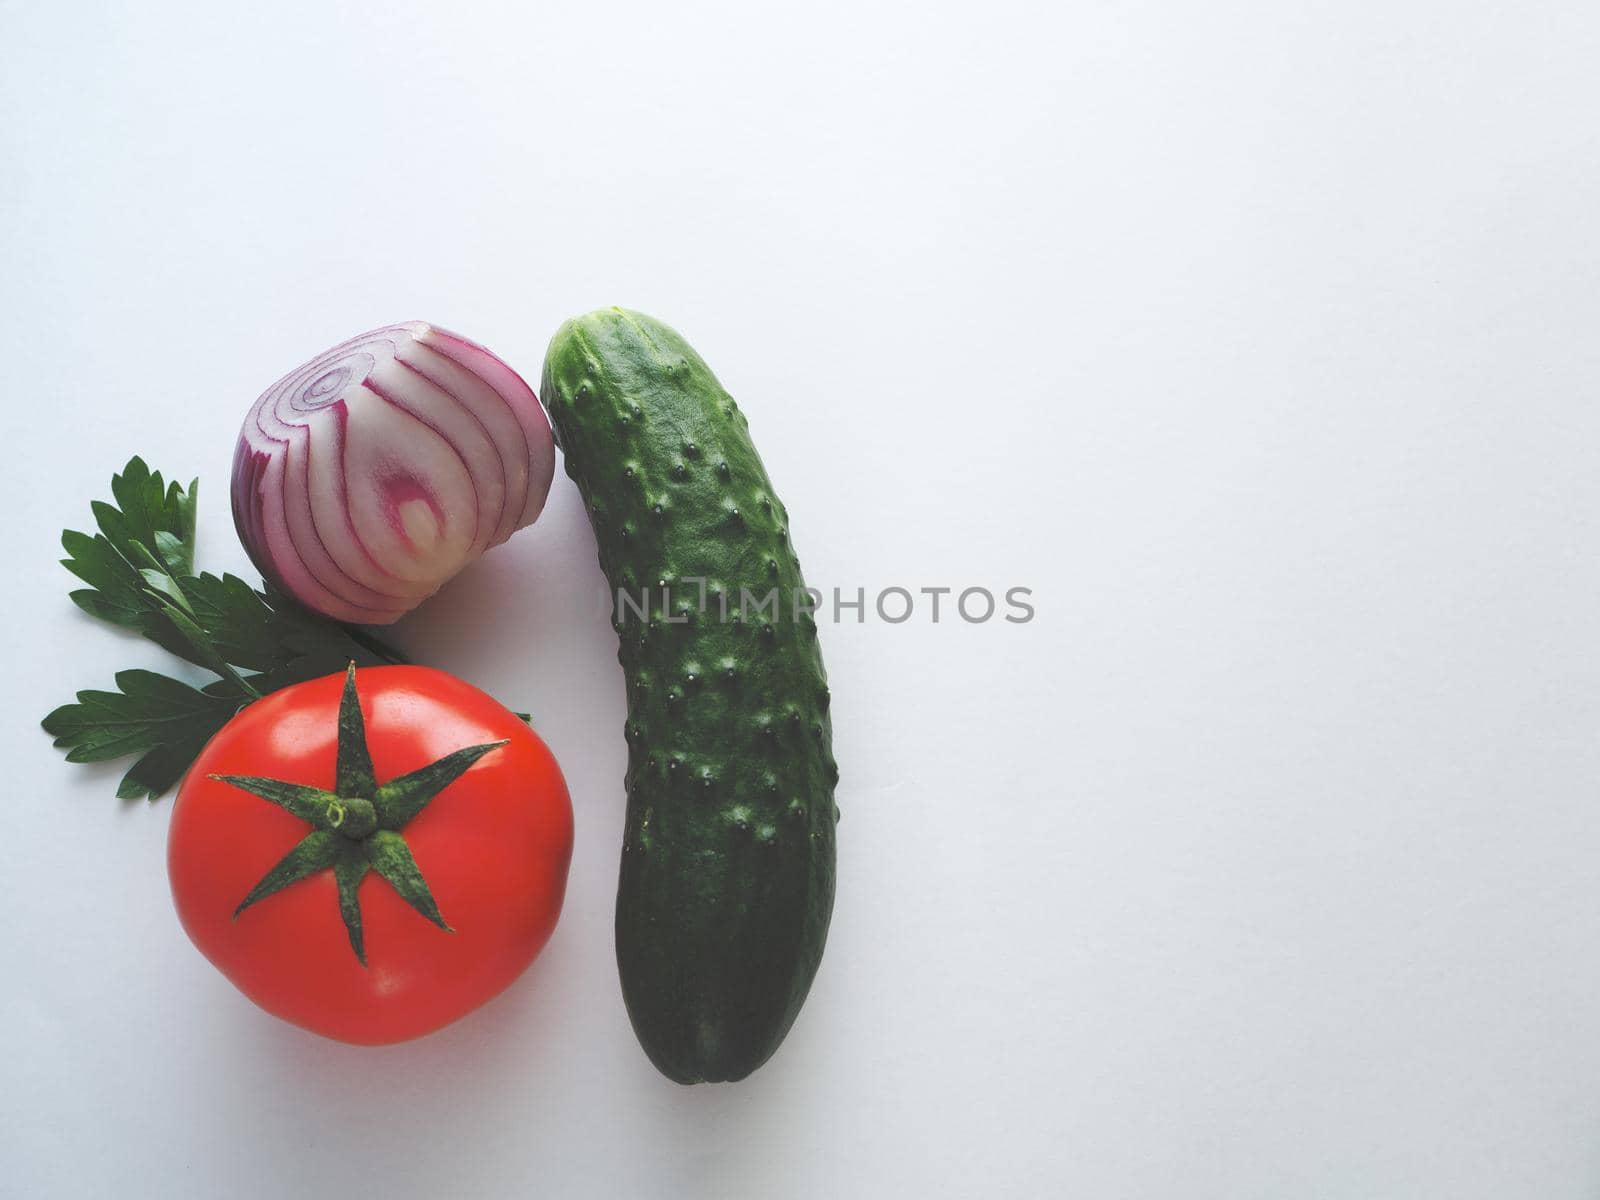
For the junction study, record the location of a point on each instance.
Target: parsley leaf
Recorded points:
(162, 720)
(140, 570)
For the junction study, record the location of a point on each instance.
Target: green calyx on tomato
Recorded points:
(356, 827)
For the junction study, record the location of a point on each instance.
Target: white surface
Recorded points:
(1259, 339)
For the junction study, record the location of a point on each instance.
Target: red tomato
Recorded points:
(492, 847)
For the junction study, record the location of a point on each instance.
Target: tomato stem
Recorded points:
(357, 828)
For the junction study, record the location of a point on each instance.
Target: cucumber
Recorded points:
(727, 876)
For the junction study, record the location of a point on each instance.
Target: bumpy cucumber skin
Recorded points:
(728, 858)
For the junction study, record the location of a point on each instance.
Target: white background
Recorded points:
(1260, 339)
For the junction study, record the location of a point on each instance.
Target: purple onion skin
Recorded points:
(369, 476)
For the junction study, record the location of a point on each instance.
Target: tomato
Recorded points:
(441, 929)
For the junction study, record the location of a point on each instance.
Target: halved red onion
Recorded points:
(368, 477)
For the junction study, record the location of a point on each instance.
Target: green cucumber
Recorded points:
(727, 875)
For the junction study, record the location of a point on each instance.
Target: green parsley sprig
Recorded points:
(140, 572)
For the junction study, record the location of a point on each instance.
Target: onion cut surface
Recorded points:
(368, 477)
